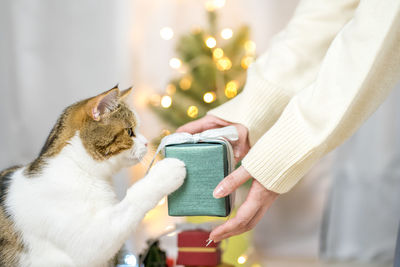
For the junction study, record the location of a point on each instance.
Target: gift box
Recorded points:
(192, 250)
(206, 165)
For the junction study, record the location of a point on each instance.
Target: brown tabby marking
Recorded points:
(102, 122)
(10, 241)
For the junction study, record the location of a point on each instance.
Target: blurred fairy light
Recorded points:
(166, 33)
(185, 83)
(193, 112)
(166, 101)
(175, 63)
(250, 46)
(212, 5)
(242, 259)
(231, 89)
(224, 63)
(171, 89)
(130, 260)
(218, 53)
(226, 33)
(246, 61)
(211, 42)
(256, 265)
(209, 97)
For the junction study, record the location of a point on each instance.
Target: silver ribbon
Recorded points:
(218, 135)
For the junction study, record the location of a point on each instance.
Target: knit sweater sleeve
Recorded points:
(290, 64)
(359, 69)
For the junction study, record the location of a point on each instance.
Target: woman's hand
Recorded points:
(259, 198)
(250, 212)
(240, 147)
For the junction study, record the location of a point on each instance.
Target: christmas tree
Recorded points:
(212, 65)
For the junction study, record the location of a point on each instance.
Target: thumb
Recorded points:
(231, 182)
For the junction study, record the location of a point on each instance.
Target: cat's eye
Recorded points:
(131, 132)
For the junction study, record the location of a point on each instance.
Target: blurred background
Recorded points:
(184, 57)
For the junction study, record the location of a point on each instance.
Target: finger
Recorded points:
(205, 123)
(231, 182)
(250, 225)
(259, 198)
(239, 223)
(193, 127)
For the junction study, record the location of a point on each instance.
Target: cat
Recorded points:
(61, 210)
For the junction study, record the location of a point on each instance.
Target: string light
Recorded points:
(256, 265)
(242, 259)
(218, 53)
(130, 260)
(209, 97)
(211, 42)
(250, 47)
(175, 63)
(192, 111)
(226, 33)
(155, 99)
(171, 89)
(166, 33)
(185, 83)
(166, 101)
(224, 63)
(246, 61)
(231, 89)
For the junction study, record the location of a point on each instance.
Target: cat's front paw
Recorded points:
(169, 174)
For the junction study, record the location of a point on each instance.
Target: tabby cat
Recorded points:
(61, 209)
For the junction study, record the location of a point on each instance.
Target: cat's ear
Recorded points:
(125, 93)
(103, 103)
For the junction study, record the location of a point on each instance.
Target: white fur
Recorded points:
(70, 216)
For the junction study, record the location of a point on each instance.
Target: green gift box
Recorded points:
(207, 163)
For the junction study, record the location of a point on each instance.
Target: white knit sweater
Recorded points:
(322, 76)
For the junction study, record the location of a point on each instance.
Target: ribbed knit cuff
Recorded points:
(257, 107)
(283, 155)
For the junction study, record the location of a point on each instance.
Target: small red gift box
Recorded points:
(192, 249)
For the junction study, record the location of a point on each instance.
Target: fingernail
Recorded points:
(237, 154)
(218, 192)
(208, 241)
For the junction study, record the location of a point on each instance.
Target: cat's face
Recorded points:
(111, 129)
(106, 126)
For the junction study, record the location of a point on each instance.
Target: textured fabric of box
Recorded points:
(206, 166)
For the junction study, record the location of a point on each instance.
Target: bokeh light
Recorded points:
(226, 33)
(166, 33)
(209, 97)
(231, 89)
(193, 112)
(166, 101)
(175, 63)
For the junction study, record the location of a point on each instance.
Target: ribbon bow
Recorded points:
(221, 135)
